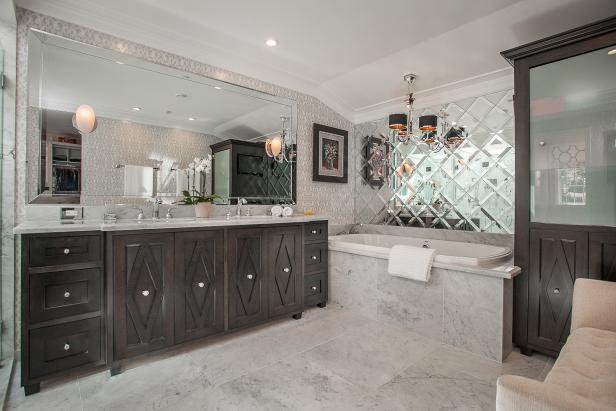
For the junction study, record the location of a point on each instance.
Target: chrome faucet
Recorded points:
(240, 201)
(156, 208)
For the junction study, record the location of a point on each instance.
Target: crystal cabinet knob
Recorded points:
(250, 276)
(556, 291)
(67, 251)
(286, 269)
(314, 257)
(314, 288)
(313, 232)
(67, 347)
(145, 293)
(66, 294)
(201, 284)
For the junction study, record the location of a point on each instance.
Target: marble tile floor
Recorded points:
(332, 359)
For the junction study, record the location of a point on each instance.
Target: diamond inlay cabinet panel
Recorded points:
(247, 298)
(284, 254)
(557, 258)
(469, 187)
(142, 273)
(199, 284)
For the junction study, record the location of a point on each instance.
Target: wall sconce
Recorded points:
(278, 147)
(84, 119)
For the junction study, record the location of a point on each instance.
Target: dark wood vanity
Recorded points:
(92, 299)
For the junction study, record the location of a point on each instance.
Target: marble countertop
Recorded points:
(56, 226)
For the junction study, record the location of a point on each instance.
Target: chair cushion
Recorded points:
(587, 365)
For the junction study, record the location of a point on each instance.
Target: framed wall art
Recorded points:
(330, 154)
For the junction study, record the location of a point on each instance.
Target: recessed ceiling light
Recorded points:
(137, 108)
(271, 42)
(191, 118)
(218, 88)
(119, 62)
(612, 52)
(181, 95)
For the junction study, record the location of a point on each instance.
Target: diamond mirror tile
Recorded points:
(468, 187)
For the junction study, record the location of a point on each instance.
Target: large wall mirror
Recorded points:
(107, 127)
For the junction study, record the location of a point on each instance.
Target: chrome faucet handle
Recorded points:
(140, 216)
(248, 212)
(169, 215)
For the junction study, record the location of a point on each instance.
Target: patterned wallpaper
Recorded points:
(120, 142)
(465, 188)
(330, 199)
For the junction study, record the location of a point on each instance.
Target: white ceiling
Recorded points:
(349, 53)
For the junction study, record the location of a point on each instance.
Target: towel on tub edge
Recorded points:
(414, 263)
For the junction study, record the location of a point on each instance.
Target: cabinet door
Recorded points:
(285, 270)
(557, 258)
(603, 256)
(143, 305)
(199, 284)
(247, 285)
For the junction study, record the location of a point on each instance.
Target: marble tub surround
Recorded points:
(465, 309)
(501, 240)
(317, 364)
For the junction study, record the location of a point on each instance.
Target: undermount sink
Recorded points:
(155, 221)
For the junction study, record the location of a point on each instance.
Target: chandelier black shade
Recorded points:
(398, 121)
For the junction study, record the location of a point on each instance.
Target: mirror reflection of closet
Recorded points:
(60, 157)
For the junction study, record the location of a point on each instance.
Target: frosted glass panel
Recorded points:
(221, 173)
(573, 140)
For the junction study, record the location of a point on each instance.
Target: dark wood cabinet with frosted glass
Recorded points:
(565, 206)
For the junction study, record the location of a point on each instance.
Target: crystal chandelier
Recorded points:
(402, 128)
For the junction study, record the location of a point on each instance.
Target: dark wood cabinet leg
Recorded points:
(32, 388)
(116, 368)
(297, 316)
(526, 351)
(322, 305)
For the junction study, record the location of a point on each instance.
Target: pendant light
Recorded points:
(401, 124)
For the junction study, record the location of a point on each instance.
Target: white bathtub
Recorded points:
(447, 252)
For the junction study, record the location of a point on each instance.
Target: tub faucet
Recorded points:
(426, 244)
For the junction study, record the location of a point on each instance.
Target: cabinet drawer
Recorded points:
(64, 293)
(315, 288)
(315, 232)
(70, 249)
(64, 346)
(315, 257)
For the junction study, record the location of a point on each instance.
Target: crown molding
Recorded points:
(471, 87)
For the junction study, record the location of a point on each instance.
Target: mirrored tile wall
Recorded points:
(469, 187)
